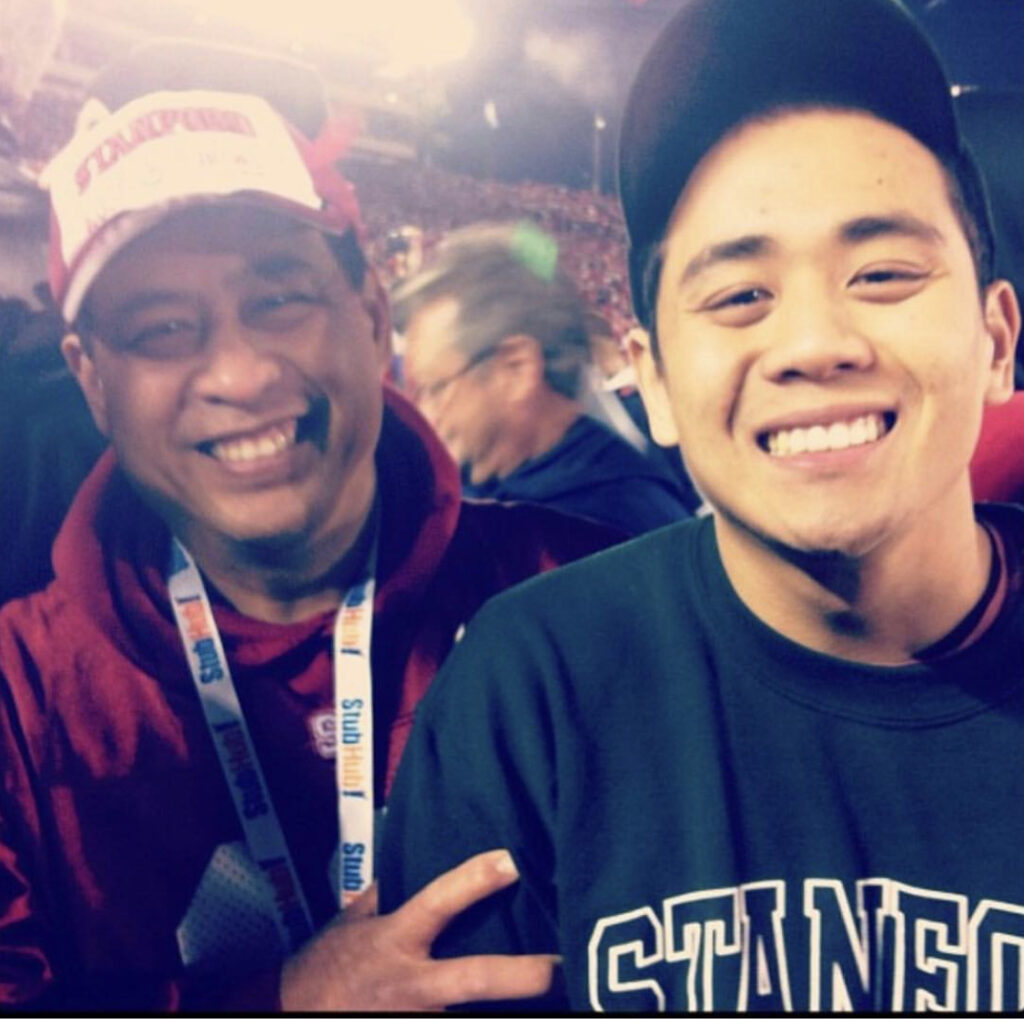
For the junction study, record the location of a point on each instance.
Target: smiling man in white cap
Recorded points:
(771, 760)
(253, 589)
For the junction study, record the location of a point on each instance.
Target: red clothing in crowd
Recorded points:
(997, 469)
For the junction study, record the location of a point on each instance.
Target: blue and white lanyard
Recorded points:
(353, 717)
(353, 726)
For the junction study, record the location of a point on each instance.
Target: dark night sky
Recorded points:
(981, 41)
(546, 110)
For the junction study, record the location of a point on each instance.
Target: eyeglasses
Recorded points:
(431, 393)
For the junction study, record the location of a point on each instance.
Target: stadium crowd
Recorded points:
(198, 739)
(588, 227)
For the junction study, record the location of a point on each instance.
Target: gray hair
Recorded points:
(506, 280)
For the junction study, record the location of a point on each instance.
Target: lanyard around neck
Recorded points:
(225, 719)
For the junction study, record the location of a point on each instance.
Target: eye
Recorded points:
(281, 300)
(738, 306)
(281, 310)
(889, 283)
(161, 339)
(744, 297)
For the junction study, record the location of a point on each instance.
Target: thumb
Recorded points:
(363, 906)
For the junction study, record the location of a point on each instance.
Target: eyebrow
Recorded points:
(272, 267)
(279, 264)
(139, 302)
(903, 225)
(853, 232)
(742, 248)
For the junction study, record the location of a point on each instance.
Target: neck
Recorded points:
(904, 595)
(288, 582)
(537, 427)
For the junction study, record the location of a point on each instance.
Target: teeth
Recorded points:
(246, 449)
(838, 436)
(827, 437)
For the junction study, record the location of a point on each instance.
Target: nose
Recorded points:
(240, 367)
(815, 338)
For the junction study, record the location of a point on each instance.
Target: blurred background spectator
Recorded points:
(993, 122)
(497, 358)
(47, 440)
(29, 33)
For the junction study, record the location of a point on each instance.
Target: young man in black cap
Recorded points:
(774, 759)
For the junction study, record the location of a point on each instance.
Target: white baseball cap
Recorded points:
(124, 171)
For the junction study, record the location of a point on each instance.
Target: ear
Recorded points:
(651, 381)
(521, 360)
(83, 367)
(376, 302)
(1002, 324)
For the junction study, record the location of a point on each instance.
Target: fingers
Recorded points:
(472, 979)
(424, 916)
(365, 962)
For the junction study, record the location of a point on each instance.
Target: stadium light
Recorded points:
(595, 166)
(409, 35)
(422, 36)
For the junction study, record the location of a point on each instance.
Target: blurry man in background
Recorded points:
(496, 358)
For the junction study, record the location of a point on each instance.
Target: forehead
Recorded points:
(238, 237)
(798, 173)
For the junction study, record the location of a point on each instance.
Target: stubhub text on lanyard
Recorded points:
(353, 718)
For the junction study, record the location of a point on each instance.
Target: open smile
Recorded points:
(247, 448)
(255, 445)
(834, 435)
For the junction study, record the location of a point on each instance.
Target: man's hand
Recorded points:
(366, 962)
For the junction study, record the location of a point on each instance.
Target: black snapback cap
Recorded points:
(719, 62)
